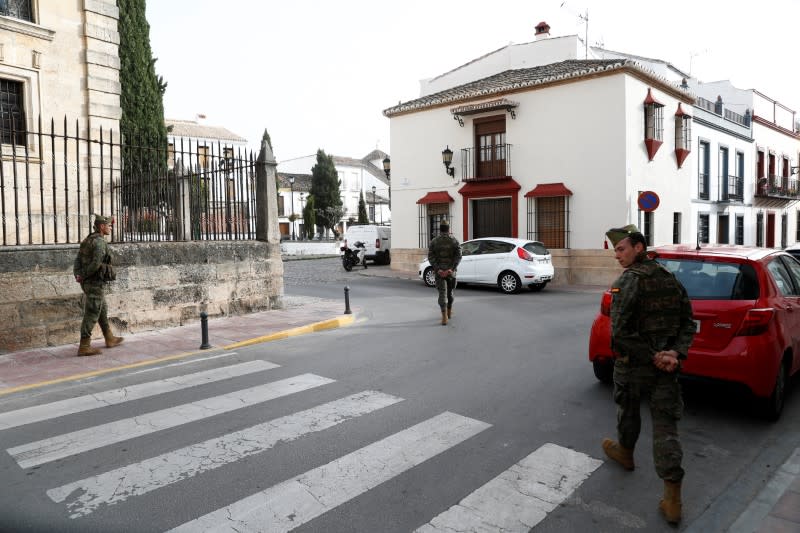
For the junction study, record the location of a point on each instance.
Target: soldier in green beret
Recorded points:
(651, 330)
(93, 269)
(444, 255)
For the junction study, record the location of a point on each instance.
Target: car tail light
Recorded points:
(605, 304)
(755, 322)
(377, 244)
(523, 254)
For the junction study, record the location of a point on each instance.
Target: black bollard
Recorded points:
(347, 310)
(204, 330)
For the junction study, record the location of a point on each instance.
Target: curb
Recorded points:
(301, 330)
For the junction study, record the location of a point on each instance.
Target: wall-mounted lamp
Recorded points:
(387, 166)
(447, 159)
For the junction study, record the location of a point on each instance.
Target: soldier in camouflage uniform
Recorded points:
(92, 269)
(444, 255)
(651, 330)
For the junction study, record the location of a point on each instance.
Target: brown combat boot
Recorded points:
(85, 347)
(617, 452)
(444, 318)
(450, 312)
(111, 340)
(670, 504)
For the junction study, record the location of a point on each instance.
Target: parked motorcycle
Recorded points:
(354, 256)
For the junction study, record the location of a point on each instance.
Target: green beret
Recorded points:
(617, 234)
(100, 219)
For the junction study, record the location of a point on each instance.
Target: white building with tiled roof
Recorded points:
(193, 142)
(356, 177)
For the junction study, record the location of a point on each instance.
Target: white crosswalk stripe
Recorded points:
(48, 411)
(514, 501)
(520, 497)
(296, 501)
(53, 448)
(140, 478)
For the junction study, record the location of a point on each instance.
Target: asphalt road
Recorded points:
(505, 382)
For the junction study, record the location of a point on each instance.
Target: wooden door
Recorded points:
(490, 148)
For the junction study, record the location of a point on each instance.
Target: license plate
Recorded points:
(697, 326)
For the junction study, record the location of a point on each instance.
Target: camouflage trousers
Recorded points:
(94, 307)
(445, 286)
(631, 384)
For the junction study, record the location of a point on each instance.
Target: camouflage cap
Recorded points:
(617, 234)
(100, 219)
(444, 222)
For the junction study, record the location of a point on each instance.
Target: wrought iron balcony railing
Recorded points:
(731, 189)
(778, 187)
(485, 163)
(702, 186)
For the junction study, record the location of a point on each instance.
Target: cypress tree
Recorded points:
(363, 217)
(141, 98)
(325, 189)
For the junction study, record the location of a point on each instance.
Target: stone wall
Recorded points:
(572, 267)
(158, 285)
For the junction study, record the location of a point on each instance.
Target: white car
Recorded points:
(502, 261)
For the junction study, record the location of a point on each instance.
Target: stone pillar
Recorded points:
(267, 228)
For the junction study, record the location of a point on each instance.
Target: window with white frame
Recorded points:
(653, 120)
(676, 228)
(739, 230)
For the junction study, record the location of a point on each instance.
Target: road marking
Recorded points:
(520, 497)
(193, 361)
(51, 449)
(294, 502)
(140, 478)
(47, 411)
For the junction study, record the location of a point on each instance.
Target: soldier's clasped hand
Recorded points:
(666, 360)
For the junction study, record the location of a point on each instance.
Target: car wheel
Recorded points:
(508, 282)
(536, 287)
(774, 404)
(603, 370)
(429, 277)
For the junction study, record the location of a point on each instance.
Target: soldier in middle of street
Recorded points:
(93, 269)
(651, 330)
(444, 255)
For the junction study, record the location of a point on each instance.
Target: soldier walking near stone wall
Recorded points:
(444, 255)
(92, 269)
(651, 330)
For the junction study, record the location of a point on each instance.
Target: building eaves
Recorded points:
(528, 78)
(635, 57)
(187, 128)
(302, 182)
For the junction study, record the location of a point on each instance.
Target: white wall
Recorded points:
(513, 56)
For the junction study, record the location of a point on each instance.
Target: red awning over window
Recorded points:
(436, 197)
(548, 189)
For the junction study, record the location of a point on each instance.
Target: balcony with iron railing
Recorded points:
(485, 163)
(773, 186)
(702, 186)
(731, 189)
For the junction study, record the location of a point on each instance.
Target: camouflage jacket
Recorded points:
(444, 252)
(650, 312)
(92, 254)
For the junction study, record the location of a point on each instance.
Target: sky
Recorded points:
(318, 73)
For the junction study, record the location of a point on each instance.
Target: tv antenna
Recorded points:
(583, 19)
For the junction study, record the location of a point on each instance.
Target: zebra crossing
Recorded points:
(515, 500)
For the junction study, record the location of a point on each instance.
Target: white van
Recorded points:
(378, 240)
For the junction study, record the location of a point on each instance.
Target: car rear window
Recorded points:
(536, 248)
(713, 280)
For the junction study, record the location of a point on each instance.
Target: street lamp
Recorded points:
(291, 186)
(373, 204)
(302, 211)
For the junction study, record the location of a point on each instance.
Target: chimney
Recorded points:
(542, 31)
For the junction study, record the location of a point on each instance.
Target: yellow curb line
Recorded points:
(310, 328)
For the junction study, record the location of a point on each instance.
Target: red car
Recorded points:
(746, 304)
